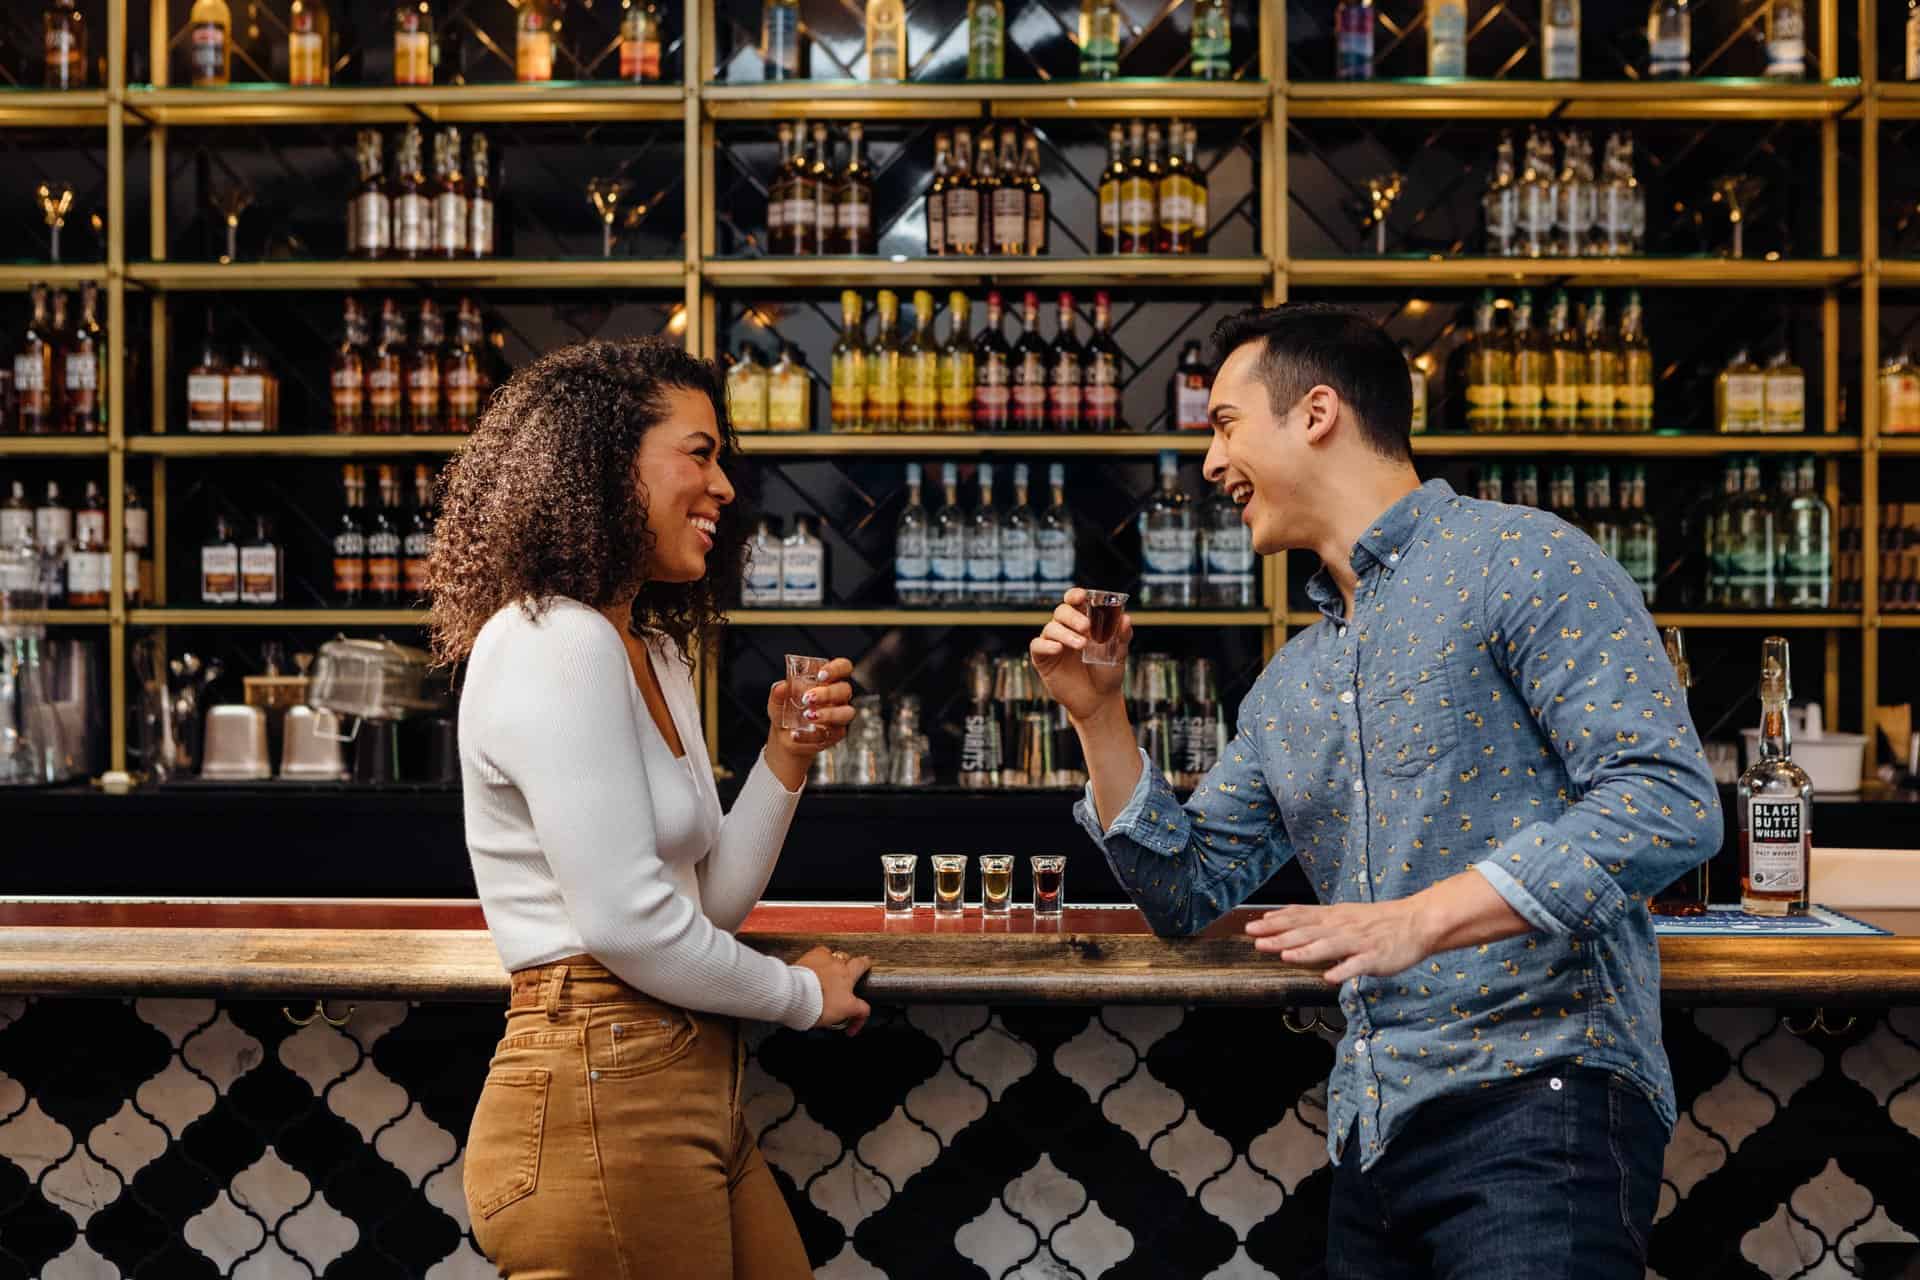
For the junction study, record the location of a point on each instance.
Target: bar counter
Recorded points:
(440, 951)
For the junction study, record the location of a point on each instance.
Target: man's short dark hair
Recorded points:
(1308, 344)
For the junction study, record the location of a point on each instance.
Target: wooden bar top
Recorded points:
(440, 950)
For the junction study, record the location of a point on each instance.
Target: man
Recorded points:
(1482, 760)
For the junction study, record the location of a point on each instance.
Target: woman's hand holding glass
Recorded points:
(826, 709)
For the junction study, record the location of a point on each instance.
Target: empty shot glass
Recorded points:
(1103, 639)
(897, 876)
(1049, 883)
(949, 882)
(996, 883)
(803, 673)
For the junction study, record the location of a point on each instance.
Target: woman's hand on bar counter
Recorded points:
(829, 711)
(839, 974)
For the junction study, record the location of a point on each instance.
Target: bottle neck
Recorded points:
(1776, 732)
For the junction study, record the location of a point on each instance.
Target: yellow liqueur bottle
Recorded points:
(1740, 396)
(1633, 396)
(1527, 391)
(1566, 366)
(1489, 369)
(850, 366)
(883, 365)
(956, 367)
(1602, 369)
(789, 393)
(920, 370)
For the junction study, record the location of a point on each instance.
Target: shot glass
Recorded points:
(1103, 642)
(1049, 884)
(996, 883)
(803, 673)
(896, 889)
(949, 882)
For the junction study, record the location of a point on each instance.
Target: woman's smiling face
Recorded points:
(682, 486)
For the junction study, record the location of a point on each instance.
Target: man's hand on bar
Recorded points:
(1381, 939)
(1091, 695)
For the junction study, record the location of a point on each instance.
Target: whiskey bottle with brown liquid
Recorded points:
(1775, 801)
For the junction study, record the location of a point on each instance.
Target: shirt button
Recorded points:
(1555, 1084)
(1360, 1047)
(1359, 785)
(1346, 695)
(1342, 633)
(1393, 557)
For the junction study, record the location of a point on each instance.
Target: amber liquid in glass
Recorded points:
(996, 887)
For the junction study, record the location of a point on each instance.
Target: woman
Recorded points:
(583, 544)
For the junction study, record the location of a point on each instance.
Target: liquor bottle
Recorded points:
(981, 544)
(887, 57)
(1561, 497)
(987, 191)
(1446, 38)
(1417, 386)
(386, 374)
(423, 372)
(780, 40)
(853, 198)
(369, 212)
(640, 43)
(1100, 402)
(1739, 396)
(1639, 535)
(1913, 40)
(209, 43)
(1669, 40)
(1775, 800)
(848, 367)
(1717, 535)
(883, 366)
(1009, 200)
(946, 543)
(1196, 185)
(1613, 225)
(1168, 546)
(1753, 543)
(1108, 240)
(463, 374)
(1687, 896)
(17, 518)
(1534, 207)
(1489, 369)
(1136, 195)
(207, 391)
(1633, 388)
(1188, 391)
(963, 199)
(64, 40)
(1226, 554)
(1066, 371)
(52, 535)
(450, 215)
(1353, 40)
(413, 230)
(992, 372)
(1566, 367)
(986, 40)
(1019, 554)
(262, 565)
(309, 44)
(760, 581)
(36, 372)
(912, 585)
(416, 549)
(1783, 396)
(480, 222)
(253, 394)
(414, 50)
(1576, 200)
(1053, 540)
(780, 194)
(936, 198)
(826, 191)
(920, 370)
(85, 401)
(1174, 219)
(1560, 41)
(1099, 39)
(1039, 201)
(384, 543)
(136, 526)
(1806, 543)
(1786, 40)
(1030, 370)
(220, 565)
(789, 392)
(86, 556)
(1526, 398)
(1603, 369)
(1602, 526)
(1211, 45)
(956, 367)
(533, 43)
(1900, 395)
(1526, 485)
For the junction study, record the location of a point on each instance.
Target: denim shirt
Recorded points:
(1500, 700)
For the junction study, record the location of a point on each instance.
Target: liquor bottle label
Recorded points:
(1913, 45)
(1637, 396)
(349, 564)
(1063, 394)
(83, 372)
(137, 526)
(956, 391)
(963, 220)
(1176, 206)
(29, 374)
(800, 579)
(1560, 50)
(1110, 208)
(1899, 402)
(1229, 554)
(855, 215)
(986, 56)
(789, 397)
(1030, 392)
(91, 526)
(412, 58)
(983, 564)
(349, 399)
(1036, 221)
(259, 575)
(207, 402)
(911, 562)
(417, 556)
(130, 577)
(992, 398)
(16, 528)
(849, 390)
(761, 583)
(1054, 549)
(52, 528)
(946, 558)
(246, 402)
(383, 391)
(480, 230)
(747, 401)
(1785, 403)
(87, 572)
(1009, 219)
(306, 58)
(1745, 402)
(372, 220)
(803, 212)
(533, 57)
(977, 754)
(1169, 554)
(207, 56)
(1101, 397)
(640, 60)
(1019, 560)
(220, 574)
(450, 222)
(1777, 844)
(412, 224)
(1136, 209)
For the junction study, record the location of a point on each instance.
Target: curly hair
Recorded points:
(543, 501)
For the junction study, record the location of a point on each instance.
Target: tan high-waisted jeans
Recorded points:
(609, 1142)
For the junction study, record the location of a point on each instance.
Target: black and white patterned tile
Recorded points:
(194, 1138)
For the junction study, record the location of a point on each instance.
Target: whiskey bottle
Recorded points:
(1775, 800)
(309, 44)
(450, 213)
(956, 367)
(416, 552)
(1687, 896)
(780, 40)
(1100, 403)
(253, 394)
(1188, 391)
(1099, 39)
(826, 191)
(853, 198)
(883, 365)
(480, 221)
(920, 370)
(963, 199)
(136, 527)
(413, 44)
(803, 195)
(849, 367)
(262, 566)
(936, 201)
(413, 231)
(747, 391)
(887, 57)
(1603, 370)
(780, 195)
(220, 565)
(1066, 371)
(1030, 370)
(640, 43)
(789, 392)
(64, 38)
(209, 43)
(384, 544)
(1174, 222)
(16, 518)
(347, 376)
(36, 370)
(369, 211)
(992, 372)
(1039, 223)
(533, 43)
(386, 374)
(87, 553)
(1008, 198)
(85, 403)
(350, 540)
(463, 374)
(1136, 195)
(1108, 238)
(1212, 41)
(207, 391)
(423, 373)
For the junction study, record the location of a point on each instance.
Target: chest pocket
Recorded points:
(1415, 724)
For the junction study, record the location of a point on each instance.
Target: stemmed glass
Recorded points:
(1383, 191)
(1738, 191)
(230, 202)
(56, 201)
(606, 195)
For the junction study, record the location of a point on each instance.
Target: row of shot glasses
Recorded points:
(900, 874)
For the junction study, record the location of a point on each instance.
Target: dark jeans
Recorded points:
(1553, 1176)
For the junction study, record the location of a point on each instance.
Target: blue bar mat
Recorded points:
(1729, 922)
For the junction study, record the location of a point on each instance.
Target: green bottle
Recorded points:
(986, 40)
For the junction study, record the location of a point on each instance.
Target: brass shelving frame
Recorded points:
(147, 112)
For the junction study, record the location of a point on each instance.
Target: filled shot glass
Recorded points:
(896, 890)
(1103, 638)
(949, 881)
(803, 673)
(996, 883)
(1049, 883)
